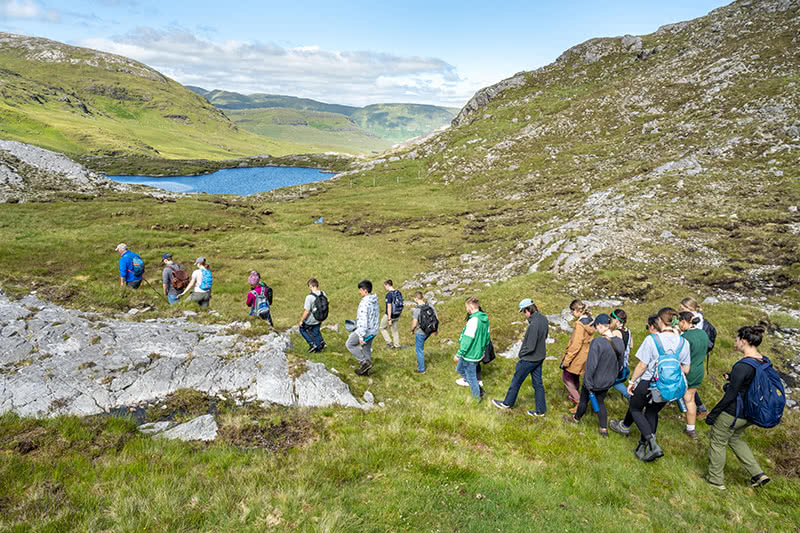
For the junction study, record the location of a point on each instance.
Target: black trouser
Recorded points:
(697, 399)
(641, 411)
(602, 414)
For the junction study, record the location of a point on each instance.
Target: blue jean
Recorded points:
(622, 389)
(467, 371)
(312, 335)
(173, 298)
(525, 368)
(419, 343)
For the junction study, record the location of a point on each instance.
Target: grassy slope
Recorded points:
(126, 112)
(319, 128)
(400, 122)
(428, 461)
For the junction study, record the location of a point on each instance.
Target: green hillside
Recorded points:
(400, 122)
(80, 101)
(232, 100)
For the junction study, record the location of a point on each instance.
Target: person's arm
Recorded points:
(414, 324)
(591, 363)
(123, 267)
(739, 374)
(306, 312)
(529, 341)
(389, 312)
(164, 281)
(637, 373)
(468, 337)
(361, 320)
(190, 286)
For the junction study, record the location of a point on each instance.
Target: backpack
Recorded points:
(711, 331)
(267, 291)
(668, 378)
(206, 280)
(137, 265)
(488, 353)
(428, 322)
(178, 279)
(397, 305)
(763, 402)
(261, 304)
(320, 307)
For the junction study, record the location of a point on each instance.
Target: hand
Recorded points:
(390, 321)
(362, 342)
(455, 358)
(301, 324)
(562, 367)
(630, 388)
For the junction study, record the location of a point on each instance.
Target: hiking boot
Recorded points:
(759, 481)
(534, 414)
(640, 450)
(715, 485)
(618, 427)
(500, 405)
(654, 451)
(604, 433)
(364, 368)
(702, 410)
(461, 382)
(691, 433)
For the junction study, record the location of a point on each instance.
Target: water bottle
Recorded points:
(682, 405)
(593, 399)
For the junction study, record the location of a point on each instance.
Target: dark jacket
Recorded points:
(533, 345)
(603, 363)
(741, 376)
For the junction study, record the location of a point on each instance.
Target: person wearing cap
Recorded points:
(170, 267)
(531, 356)
(603, 362)
(201, 295)
(126, 270)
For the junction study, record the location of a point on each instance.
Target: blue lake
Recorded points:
(242, 181)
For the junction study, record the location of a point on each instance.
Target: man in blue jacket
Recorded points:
(129, 274)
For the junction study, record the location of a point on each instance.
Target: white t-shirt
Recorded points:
(197, 278)
(308, 305)
(648, 353)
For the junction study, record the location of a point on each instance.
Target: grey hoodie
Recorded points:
(367, 318)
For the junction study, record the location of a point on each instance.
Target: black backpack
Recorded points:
(397, 306)
(711, 331)
(268, 291)
(320, 307)
(428, 322)
(488, 353)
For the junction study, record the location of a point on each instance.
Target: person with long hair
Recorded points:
(698, 348)
(200, 281)
(573, 364)
(619, 319)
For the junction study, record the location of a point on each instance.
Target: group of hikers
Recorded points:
(670, 359)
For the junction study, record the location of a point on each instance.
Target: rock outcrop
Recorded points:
(58, 361)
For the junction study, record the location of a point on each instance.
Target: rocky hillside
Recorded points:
(78, 101)
(631, 159)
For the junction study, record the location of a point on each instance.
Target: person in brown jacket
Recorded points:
(573, 364)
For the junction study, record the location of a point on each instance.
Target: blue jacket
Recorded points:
(126, 266)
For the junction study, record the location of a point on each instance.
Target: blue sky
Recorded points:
(358, 52)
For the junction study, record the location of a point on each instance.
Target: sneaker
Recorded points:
(480, 383)
(691, 433)
(604, 433)
(534, 414)
(569, 419)
(617, 427)
(321, 347)
(483, 393)
(312, 349)
(500, 405)
(364, 368)
(715, 485)
(702, 409)
(389, 345)
(418, 371)
(463, 382)
(759, 481)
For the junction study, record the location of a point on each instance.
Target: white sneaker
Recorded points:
(462, 382)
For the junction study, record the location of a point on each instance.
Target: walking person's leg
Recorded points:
(721, 432)
(521, 372)
(742, 450)
(396, 332)
(383, 329)
(472, 379)
(571, 383)
(602, 414)
(305, 332)
(583, 403)
(419, 345)
(354, 345)
(538, 388)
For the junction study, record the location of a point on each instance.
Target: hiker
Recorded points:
(200, 281)
(698, 348)
(691, 305)
(259, 299)
(531, 356)
(131, 267)
(618, 320)
(623, 427)
(728, 425)
(173, 277)
(424, 323)
(472, 343)
(360, 341)
(394, 308)
(573, 363)
(651, 376)
(461, 382)
(603, 362)
(315, 311)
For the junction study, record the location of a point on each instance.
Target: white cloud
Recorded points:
(27, 9)
(347, 77)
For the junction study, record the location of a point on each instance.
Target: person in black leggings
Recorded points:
(602, 367)
(642, 409)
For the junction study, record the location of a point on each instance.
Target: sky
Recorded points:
(345, 52)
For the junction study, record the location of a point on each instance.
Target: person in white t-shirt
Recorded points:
(309, 325)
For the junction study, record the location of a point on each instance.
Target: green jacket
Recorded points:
(475, 337)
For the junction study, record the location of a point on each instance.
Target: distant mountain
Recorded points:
(391, 123)
(81, 101)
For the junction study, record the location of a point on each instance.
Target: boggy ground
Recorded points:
(428, 460)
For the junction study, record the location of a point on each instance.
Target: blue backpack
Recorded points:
(669, 379)
(763, 402)
(206, 280)
(261, 304)
(397, 305)
(137, 265)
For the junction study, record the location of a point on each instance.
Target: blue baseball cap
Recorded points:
(166, 256)
(524, 304)
(602, 318)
